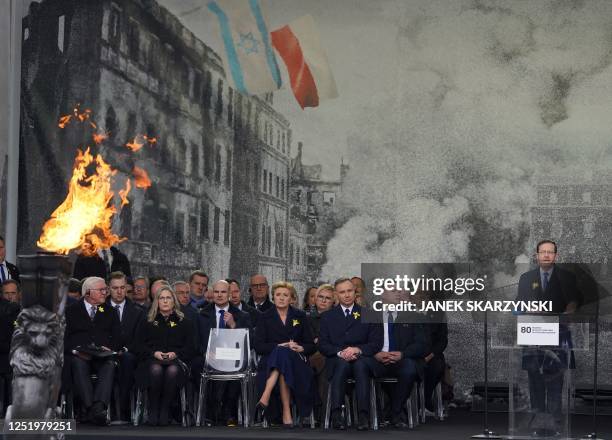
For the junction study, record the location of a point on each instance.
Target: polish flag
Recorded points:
(299, 46)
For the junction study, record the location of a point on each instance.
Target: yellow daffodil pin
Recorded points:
(155, 323)
(356, 315)
(172, 324)
(101, 309)
(534, 285)
(296, 322)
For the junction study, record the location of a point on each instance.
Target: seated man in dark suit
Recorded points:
(91, 322)
(221, 314)
(236, 301)
(100, 263)
(8, 316)
(349, 345)
(130, 317)
(401, 355)
(8, 271)
(260, 293)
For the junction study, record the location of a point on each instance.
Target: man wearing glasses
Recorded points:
(92, 323)
(259, 293)
(548, 282)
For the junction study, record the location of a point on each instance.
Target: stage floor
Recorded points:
(461, 424)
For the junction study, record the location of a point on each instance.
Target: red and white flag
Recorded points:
(299, 46)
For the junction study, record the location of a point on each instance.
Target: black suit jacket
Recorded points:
(208, 320)
(339, 332)
(271, 331)
(133, 317)
(264, 307)
(105, 328)
(8, 315)
(94, 266)
(13, 271)
(166, 335)
(562, 288)
(253, 313)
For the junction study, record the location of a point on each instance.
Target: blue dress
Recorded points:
(294, 366)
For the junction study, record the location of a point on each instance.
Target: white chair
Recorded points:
(228, 357)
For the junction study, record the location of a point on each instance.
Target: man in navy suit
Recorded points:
(130, 317)
(548, 282)
(8, 271)
(260, 293)
(401, 355)
(349, 345)
(91, 322)
(222, 314)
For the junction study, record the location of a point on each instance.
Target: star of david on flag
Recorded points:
(248, 56)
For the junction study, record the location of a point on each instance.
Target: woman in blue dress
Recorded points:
(283, 337)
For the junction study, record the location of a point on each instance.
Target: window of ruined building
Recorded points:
(179, 229)
(249, 112)
(304, 257)
(133, 40)
(263, 239)
(589, 227)
(131, 125)
(126, 220)
(226, 228)
(219, 106)
(228, 168)
(181, 160)
(204, 219)
(238, 121)
(230, 100)
(197, 85)
(280, 242)
(207, 94)
(265, 133)
(284, 142)
(283, 189)
(290, 254)
(265, 180)
(586, 197)
(208, 157)
(186, 77)
(254, 233)
(218, 164)
(110, 124)
(195, 160)
(193, 230)
(277, 186)
(216, 224)
(328, 197)
(255, 177)
(269, 240)
(270, 183)
(154, 55)
(114, 26)
(297, 256)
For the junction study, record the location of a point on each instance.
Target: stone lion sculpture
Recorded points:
(37, 359)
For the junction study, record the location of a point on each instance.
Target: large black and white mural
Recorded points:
(463, 131)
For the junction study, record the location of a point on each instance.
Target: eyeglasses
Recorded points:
(547, 252)
(259, 286)
(102, 290)
(140, 288)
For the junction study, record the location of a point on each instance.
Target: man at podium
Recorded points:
(545, 372)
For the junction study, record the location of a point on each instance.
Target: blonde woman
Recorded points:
(165, 348)
(283, 337)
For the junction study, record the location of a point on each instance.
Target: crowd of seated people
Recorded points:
(151, 334)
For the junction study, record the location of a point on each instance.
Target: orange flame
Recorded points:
(85, 216)
(136, 144)
(123, 193)
(100, 137)
(77, 114)
(141, 178)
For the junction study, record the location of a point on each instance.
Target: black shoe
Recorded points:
(288, 425)
(97, 413)
(338, 421)
(163, 416)
(363, 424)
(260, 412)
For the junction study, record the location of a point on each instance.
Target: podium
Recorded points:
(542, 351)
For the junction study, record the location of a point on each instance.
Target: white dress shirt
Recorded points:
(385, 346)
(120, 310)
(225, 309)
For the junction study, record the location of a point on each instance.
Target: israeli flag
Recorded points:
(249, 57)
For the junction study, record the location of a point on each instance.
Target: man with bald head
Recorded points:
(221, 314)
(259, 289)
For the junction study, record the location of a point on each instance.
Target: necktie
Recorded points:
(221, 321)
(92, 313)
(258, 306)
(391, 333)
(118, 309)
(545, 281)
(2, 272)
(347, 313)
(107, 266)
